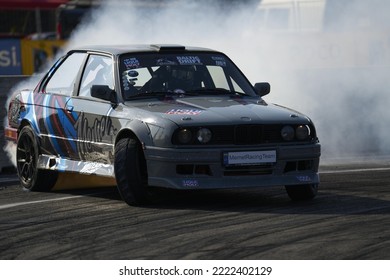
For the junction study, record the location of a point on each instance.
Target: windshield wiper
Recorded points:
(217, 91)
(148, 95)
(194, 92)
(160, 94)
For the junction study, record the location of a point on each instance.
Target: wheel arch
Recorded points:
(137, 130)
(26, 122)
(126, 133)
(28, 151)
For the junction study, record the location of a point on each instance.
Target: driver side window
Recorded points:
(97, 72)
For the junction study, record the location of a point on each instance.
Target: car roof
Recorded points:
(121, 49)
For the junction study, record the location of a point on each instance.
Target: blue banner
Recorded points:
(10, 57)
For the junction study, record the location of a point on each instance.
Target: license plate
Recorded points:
(249, 157)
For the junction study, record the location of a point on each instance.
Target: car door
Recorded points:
(55, 124)
(94, 128)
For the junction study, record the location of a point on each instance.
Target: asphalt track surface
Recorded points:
(349, 219)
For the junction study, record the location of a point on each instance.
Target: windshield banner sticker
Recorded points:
(189, 60)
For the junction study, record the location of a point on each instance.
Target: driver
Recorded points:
(180, 77)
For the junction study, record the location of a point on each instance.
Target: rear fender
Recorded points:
(21, 110)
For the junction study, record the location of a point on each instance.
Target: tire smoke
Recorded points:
(335, 73)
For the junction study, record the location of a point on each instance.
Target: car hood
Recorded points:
(218, 110)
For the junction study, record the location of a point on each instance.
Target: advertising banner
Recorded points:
(35, 54)
(10, 58)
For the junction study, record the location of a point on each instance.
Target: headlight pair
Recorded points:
(202, 135)
(300, 132)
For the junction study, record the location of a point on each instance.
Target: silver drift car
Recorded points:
(159, 116)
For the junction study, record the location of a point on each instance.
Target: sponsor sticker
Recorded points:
(219, 61)
(188, 60)
(249, 157)
(304, 178)
(190, 183)
(184, 112)
(131, 63)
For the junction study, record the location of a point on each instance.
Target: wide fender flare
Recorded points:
(138, 129)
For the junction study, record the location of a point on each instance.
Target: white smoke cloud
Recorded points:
(10, 150)
(336, 77)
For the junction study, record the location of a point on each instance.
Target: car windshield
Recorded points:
(197, 73)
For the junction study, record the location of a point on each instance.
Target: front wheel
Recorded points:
(131, 172)
(302, 192)
(27, 153)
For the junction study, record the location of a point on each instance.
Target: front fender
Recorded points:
(135, 128)
(155, 133)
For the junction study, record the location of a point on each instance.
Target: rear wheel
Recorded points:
(130, 172)
(27, 153)
(302, 192)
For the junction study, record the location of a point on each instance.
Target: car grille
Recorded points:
(246, 134)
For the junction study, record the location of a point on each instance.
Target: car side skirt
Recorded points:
(49, 162)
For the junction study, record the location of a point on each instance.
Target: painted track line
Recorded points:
(11, 205)
(6, 206)
(355, 170)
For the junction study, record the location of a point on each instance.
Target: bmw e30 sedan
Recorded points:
(159, 115)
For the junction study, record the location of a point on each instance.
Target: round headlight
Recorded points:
(287, 133)
(203, 135)
(302, 132)
(184, 136)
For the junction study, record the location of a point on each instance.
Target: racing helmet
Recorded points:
(181, 77)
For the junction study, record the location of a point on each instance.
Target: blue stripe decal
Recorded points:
(67, 124)
(69, 130)
(51, 130)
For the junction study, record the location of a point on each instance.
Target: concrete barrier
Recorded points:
(7, 84)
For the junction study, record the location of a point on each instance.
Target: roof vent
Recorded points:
(165, 47)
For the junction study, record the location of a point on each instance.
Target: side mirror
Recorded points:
(262, 88)
(104, 92)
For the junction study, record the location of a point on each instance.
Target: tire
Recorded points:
(131, 172)
(27, 153)
(302, 192)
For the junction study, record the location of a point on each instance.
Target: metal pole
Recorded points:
(38, 23)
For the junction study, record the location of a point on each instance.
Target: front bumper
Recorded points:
(204, 168)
